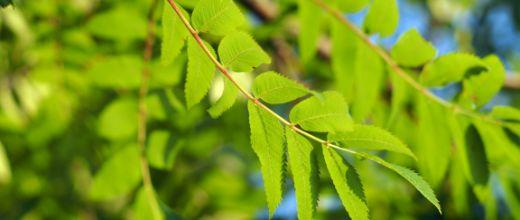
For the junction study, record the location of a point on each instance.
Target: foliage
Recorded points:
(73, 108)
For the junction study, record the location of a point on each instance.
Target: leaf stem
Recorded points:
(248, 95)
(143, 112)
(399, 71)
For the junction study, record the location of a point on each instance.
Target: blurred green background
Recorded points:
(69, 75)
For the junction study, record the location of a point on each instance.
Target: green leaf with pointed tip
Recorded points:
(411, 176)
(229, 95)
(118, 176)
(371, 138)
(350, 6)
(480, 89)
(304, 170)
(412, 50)
(326, 112)
(218, 17)
(347, 184)
(118, 121)
(343, 58)
(450, 68)
(200, 73)
(310, 28)
(276, 89)
(174, 34)
(239, 52)
(382, 17)
(267, 141)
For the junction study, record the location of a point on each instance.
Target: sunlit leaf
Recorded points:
(382, 17)
(239, 52)
(310, 27)
(119, 119)
(218, 17)
(349, 6)
(174, 34)
(451, 68)
(412, 50)
(327, 112)
(228, 98)
(200, 73)
(116, 72)
(276, 89)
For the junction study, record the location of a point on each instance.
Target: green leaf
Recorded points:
(412, 50)
(500, 149)
(276, 89)
(347, 184)
(118, 176)
(310, 27)
(200, 73)
(369, 74)
(476, 156)
(510, 185)
(343, 58)
(371, 138)
(327, 112)
(142, 209)
(170, 75)
(268, 143)
(239, 52)
(411, 176)
(350, 6)
(450, 68)
(5, 170)
(218, 17)
(117, 72)
(118, 121)
(382, 17)
(304, 170)
(120, 24)
(229, 95)
(506, 113)
(174, 34)
(433, 137)
(161, 149)
(480, 89)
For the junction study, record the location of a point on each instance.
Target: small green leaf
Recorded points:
(161, 149)
(451, 68)
(371, 138)
(276, 89)
(382, 17)
(267, 141)
(118, 121)
(142, 209)
(118, 176)
(304, 170)
(350, 6)
(347, 183)
(411, 176)
(412, 50)
(239, 52)
(174, 34)
(117, 72)
(327, 112)
(200, 73)
(343, 58)
(480, 89)
(229, 95)
(218, 17)
(121, 24)
(310, 28)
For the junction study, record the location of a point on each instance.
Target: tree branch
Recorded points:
(400, 72)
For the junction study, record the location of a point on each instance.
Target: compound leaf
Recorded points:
(200, 73)
(239, 52)
(276, 89)
(267, 141)
(174, 34)
(327, 112)
(412, 50)
(347, 184)
(304, 171)
(372, 138)
(218, 17)
(382, 17)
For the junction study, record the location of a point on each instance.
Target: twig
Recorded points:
(142, 120)
(400, 72)
(248, 95)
